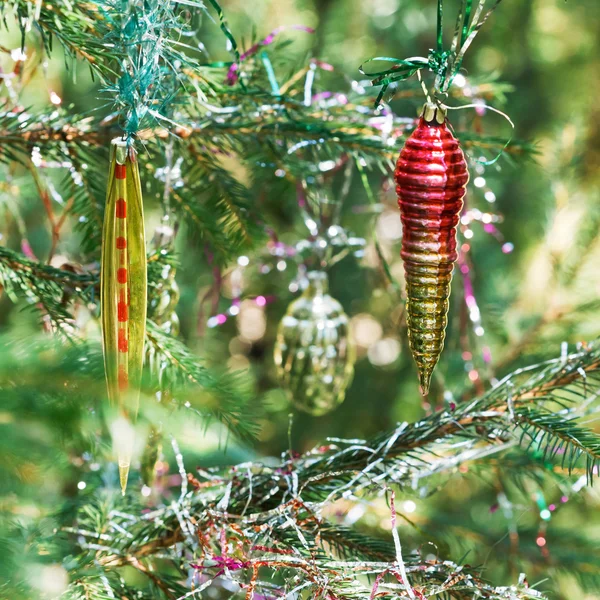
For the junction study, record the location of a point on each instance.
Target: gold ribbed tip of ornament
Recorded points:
(424, 381)
(123, 476)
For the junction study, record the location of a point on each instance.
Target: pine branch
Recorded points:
(348, 543)
(87, 179)
(78, 26)
(56, 130)
(186, 383)
(557, 435)
(350, 125)
(499, 415)
(568, 551)
(178, 374)
(90, 588)
(289, 541)
(251, 117)
(48, 286)
(101, 587)
(215, 204)
(583, 244)
(182, 376)
(272, 515)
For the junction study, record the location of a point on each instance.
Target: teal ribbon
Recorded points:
(437, 62)
(446, 64)
(270, 73)
(465, 27)
(225, 29)
(440, 21)
(401, 70)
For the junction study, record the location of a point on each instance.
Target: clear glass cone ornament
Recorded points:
(314, 354)
(164, 302)
(151, 455)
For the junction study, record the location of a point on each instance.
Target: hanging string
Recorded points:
(225, 29)
(486, 163)
(440, 20)
(423, 87)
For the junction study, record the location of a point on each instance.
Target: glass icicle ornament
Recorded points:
(164, 300)
(164, 295)
(431, 175)
(123, 296)
(151, 455)
(314, 354)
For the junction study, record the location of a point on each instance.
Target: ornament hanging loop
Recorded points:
(487, 163)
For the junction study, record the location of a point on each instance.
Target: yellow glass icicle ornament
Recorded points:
(123, 284)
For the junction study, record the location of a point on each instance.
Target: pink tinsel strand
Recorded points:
(223, 563)
(232, 76)
(470, 299)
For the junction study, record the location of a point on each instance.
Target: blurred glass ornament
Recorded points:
(151, 455)
(164, 300)
(164, 296)
(314, 354)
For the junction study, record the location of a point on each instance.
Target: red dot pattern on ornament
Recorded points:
(122, 341)
(123, 378)
(123, 303)
(121, 209)
(122, 312)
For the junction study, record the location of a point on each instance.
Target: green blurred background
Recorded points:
(548, 52)
(532, 299)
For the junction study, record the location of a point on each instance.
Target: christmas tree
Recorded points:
(221, 364)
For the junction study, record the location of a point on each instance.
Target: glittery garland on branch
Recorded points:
(241, 525)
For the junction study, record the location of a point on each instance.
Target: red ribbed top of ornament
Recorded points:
(431, 175)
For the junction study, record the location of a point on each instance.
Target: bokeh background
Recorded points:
(536, 288)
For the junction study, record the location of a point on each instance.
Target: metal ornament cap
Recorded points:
(431, 176)
(433, 112)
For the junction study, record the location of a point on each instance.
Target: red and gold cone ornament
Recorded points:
(431, 177)
(123, 295)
